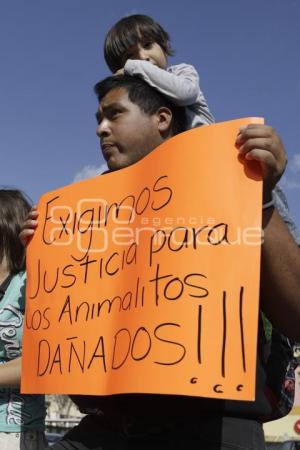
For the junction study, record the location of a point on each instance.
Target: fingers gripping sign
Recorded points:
(261, 143)
(29, 226)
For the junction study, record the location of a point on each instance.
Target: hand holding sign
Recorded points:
(261, 143)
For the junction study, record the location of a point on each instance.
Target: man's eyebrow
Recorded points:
(111, 106)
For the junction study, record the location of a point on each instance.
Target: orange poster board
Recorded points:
(146, 280)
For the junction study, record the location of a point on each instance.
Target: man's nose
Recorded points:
(103, 129)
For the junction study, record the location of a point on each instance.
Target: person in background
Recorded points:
(22, 417)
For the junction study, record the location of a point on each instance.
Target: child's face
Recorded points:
(149, 51)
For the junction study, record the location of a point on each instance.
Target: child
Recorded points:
(22, 417)
(137, 45)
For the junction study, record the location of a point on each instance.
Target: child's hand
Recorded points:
(261, 143)
(119, 72)
(29, 226)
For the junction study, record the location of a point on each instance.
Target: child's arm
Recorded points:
(181, 87)
(179, 83)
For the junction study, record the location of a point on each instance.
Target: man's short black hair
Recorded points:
(129, 32)
(146, 97)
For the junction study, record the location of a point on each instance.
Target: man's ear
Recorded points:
(164, 119)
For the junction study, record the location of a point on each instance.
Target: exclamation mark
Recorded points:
(242, 328)
(199, 333)
(224, 335)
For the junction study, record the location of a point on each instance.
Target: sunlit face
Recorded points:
(148, 51)
(126, 133)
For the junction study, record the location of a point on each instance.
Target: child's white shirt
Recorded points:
(180, 83)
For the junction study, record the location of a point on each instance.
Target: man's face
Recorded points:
(126, 133)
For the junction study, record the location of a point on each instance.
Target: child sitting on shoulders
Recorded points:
(137, 45)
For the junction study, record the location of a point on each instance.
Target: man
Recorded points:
(133, 119)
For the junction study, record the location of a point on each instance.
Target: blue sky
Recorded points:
(247, 55)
